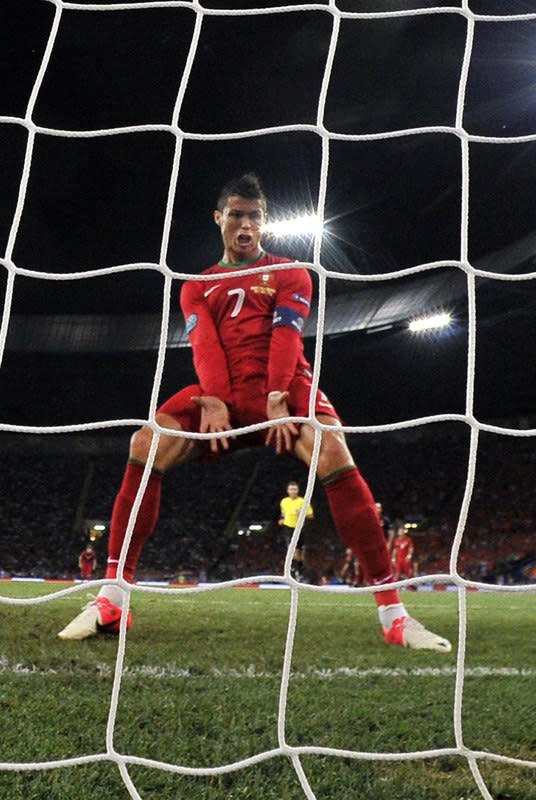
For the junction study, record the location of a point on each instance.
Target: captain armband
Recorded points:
(285, 317)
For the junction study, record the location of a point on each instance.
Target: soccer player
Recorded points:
(246, 337)
(403, 554)
(351, 573)
(87, 562)
(388, 530)
(291, 506)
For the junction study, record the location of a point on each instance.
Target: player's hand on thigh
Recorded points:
(214, 419)
(282, 436)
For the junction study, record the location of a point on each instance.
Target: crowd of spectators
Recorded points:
(55, 485)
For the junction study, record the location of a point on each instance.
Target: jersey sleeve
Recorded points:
(210, 362)
(292, 308)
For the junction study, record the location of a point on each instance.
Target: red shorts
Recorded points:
(248, 408)
(86, 572)
(404, 567)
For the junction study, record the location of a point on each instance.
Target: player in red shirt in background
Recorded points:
(351, 573)
(403, 554)
(87, 562)
(246, 337)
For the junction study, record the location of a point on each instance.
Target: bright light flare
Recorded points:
(298, 226)
(429, 323)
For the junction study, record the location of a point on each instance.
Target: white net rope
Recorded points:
(294, 753)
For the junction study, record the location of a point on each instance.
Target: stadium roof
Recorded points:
(361, 307)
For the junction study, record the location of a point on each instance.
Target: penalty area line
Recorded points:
(173, 671)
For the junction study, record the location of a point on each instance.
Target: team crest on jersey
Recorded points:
(265, 278)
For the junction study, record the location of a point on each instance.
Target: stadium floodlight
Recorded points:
(297, 226)
(96, 530)
(429, 323)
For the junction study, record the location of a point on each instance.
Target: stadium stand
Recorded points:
(55, 484)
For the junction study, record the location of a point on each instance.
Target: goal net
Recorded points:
(382, 113)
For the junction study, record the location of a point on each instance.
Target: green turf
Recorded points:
(201, 688)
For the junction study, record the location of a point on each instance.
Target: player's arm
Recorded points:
(292, 306)
(293, 302)
(210, 363)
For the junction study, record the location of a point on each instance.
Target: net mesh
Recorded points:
(335, 14)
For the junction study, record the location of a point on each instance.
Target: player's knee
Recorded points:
(334, 453)
(140, 444)
(170, 450)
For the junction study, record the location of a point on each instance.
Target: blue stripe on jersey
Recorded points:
(300, 299)
(285, 317)
(191, 322)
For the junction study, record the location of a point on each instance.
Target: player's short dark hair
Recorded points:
(293, 483)
(247, 185)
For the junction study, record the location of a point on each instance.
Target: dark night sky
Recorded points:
(99, 201)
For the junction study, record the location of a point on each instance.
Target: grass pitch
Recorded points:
(201, 688)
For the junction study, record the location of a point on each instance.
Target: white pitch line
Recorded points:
(172, 671)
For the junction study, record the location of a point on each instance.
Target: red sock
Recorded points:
(145, 521)
(356, 518)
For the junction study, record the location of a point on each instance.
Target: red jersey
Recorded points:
(248, 326)
(86, 563)
(403, 548)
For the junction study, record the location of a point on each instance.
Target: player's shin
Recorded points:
(146, 519)
(356, 518)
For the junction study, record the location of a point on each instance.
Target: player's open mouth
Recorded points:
(244, 240)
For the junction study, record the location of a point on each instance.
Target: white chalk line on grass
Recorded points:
(172, 671)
